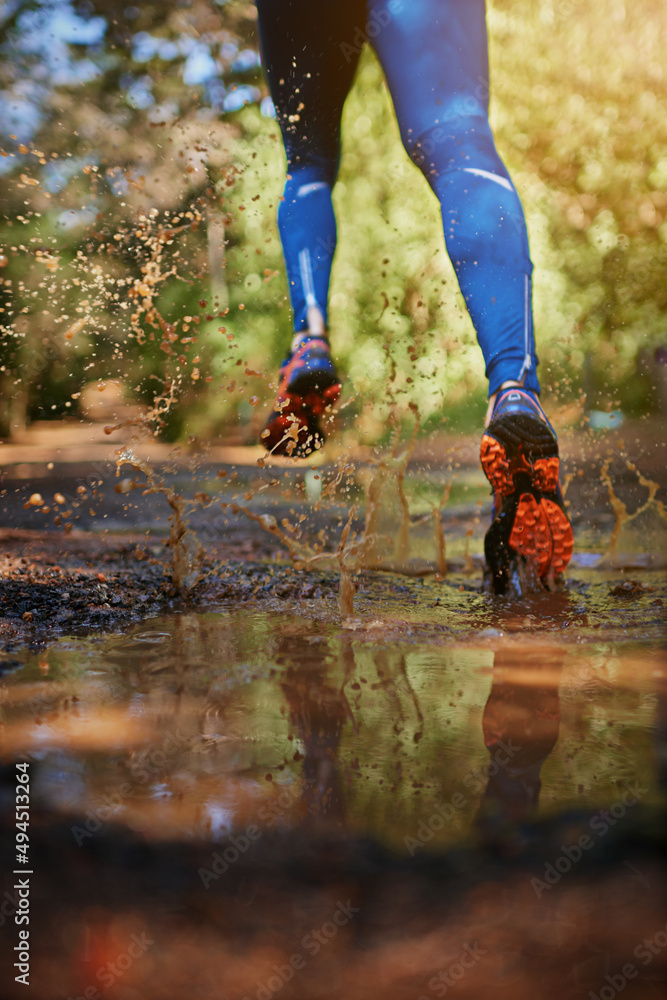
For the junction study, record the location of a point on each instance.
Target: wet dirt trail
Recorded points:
(251, 791)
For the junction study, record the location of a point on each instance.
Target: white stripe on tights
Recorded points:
(527, 361)
(489, 176)
(307, 277)
(309, 188)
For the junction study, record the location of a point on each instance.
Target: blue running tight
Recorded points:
(434, 56)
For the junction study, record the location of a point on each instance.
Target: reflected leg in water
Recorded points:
(318, 712)
(521, 722)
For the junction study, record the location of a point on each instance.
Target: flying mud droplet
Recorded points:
(76, 327)
(126, 486)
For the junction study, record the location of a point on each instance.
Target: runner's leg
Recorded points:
(434, 55)
(310, 59)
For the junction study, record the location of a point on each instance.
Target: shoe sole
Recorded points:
(519, 455)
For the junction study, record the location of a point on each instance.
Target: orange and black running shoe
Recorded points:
(309, 386)
(519, 456)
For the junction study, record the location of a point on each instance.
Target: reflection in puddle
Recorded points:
(208, 720)
(400, 764)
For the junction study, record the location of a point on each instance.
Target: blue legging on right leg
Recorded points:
(434, 56)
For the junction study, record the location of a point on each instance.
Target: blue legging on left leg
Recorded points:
(434, 56)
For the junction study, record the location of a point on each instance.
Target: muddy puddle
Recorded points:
(256, 795)
(369, 724)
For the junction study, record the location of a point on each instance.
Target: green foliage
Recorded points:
(579, 108)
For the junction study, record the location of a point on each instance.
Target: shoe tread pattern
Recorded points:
(519, 455)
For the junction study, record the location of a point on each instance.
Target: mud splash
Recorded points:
(133, 271)
(383, 482)
(648, 518)
(187, 554)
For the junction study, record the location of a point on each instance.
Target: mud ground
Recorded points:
(101, 558)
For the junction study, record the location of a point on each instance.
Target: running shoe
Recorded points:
(519, 456)
(309, 386)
